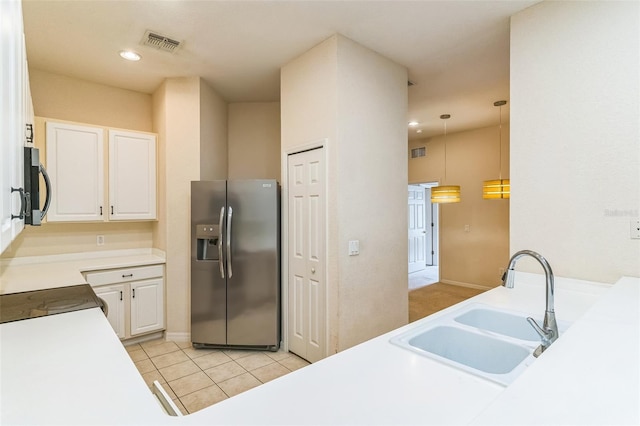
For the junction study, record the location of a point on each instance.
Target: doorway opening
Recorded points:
(423, 231)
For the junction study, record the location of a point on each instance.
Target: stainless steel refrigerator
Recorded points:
(235, 264)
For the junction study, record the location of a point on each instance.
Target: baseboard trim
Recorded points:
(469, 285)
(178, 336)
(142, 339)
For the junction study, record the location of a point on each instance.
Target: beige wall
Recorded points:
(67, 98)
(357, 100)
(474, 257)
(213, 134)
(254, 140)
(308, 98)
(180, 106)
(72, 99)
(575, 137)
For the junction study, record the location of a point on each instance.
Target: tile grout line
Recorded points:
(228, 353)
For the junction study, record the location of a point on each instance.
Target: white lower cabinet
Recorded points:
(134, 298)
(147, 313)
(113, 297)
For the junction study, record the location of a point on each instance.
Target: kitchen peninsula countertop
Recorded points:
(71, 369)
(40, 272)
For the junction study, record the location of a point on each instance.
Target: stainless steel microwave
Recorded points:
(30, 195)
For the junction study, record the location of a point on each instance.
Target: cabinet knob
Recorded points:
(313, 270)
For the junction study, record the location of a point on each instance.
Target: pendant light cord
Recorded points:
(445, 117)
(500, 104)
(500, 130)
(445, 152)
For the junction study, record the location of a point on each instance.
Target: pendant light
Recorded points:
(445, 193)
(497, 188)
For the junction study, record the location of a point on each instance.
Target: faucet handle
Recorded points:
(546, 335)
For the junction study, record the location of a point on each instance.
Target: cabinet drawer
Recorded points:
(124, 275)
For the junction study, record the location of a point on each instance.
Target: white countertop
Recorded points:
(70, 369)
(40, 272)
(591, 375)
(76, 372)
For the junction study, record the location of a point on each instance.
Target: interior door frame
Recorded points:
(435, 213)
(284, 242)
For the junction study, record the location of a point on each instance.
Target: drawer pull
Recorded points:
(127, 276)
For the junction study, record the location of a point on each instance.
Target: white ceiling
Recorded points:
(457, 52)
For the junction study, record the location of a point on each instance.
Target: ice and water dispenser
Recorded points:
(207, 242)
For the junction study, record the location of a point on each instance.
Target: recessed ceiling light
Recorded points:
(413, 123)
(419, 131)
(130, 55)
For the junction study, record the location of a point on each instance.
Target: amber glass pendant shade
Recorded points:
(498, 188)
(445, 194)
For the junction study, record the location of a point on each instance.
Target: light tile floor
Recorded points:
(198, 378)
(427, 276)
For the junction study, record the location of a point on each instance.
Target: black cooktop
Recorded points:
(52, 301)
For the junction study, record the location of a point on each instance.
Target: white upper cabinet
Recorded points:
(75, 159)
(13, 119)
(132, 175)
(77, 167)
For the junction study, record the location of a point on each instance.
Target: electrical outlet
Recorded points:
(467, 228)
(354, 247)
(100, 240)
(635, 228)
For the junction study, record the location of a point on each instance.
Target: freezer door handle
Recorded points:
(220, 259)
(229, 217)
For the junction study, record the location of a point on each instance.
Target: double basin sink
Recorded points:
(492, 343)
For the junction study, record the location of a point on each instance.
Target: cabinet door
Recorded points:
(132, 175)
(12, 124)
(75, 161)
(147, 306)
(113, 296)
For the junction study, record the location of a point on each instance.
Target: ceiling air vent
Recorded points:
(160, 42)
(418, 152)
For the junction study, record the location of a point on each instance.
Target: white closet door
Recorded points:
(75, 161)
(306, 257)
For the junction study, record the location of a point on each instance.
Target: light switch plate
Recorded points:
(354, 247)
(635, 228)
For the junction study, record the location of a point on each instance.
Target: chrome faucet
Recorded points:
(549, 330)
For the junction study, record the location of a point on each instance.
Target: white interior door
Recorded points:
(306, 256)
(417, 228)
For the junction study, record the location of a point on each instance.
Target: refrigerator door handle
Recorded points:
(220, 259)
(229, 217)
